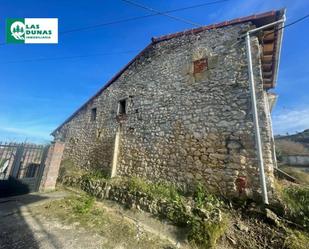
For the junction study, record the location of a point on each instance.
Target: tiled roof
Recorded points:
(251, 18)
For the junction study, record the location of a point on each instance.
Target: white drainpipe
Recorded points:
(254, 109)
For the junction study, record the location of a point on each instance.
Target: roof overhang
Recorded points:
(271, 42)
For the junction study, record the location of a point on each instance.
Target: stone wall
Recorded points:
(180, 126)
(122, 194)
(201, 217)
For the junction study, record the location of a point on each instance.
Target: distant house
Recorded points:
(293, 150)
(181, 110)
(297, 161)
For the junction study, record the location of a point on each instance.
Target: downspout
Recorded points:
(272, 133)
(254, 109)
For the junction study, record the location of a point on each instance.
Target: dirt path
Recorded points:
(20, 228)
(160, 228)
(26, 222)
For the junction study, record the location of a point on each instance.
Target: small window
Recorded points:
(122, 108)
(93, 114)
(200, 65)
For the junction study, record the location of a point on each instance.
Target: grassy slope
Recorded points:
(84, 212)
(246, 225)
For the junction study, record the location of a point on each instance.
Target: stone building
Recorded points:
(180, 111)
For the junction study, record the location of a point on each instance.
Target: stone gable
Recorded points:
(183, 122)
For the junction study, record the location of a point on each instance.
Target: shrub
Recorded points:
(155, 190)
(296, 240)
(177, 213)
(203, 199)
(97, 174)
(199, 195)
(288, 147)
(301, 176)
(205, 232)
(203, 219)
(296, 199)
(83, 204)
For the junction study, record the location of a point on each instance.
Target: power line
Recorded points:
(240, 38)
(96, 26)
(134, 51)
(296, 21)
(162, 13)
(288, 25)
(69, 57)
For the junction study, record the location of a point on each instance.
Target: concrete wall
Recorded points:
(180, 126)
(52, 165)
(297, 160)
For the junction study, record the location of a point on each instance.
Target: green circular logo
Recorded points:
(18, 30)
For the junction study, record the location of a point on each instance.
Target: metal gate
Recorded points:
(21, 167)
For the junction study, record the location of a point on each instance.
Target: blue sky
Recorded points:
(36, 96)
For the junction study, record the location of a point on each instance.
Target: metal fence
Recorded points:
(22, 162)
(7, 153)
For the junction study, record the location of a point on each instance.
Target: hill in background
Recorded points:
(296, 144)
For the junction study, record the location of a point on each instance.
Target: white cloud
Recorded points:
(239, 8)
(28, 132)
(25, 130)
(291, 121)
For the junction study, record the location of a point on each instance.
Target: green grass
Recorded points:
(155, 190)
(205, 234)
(296, 198)
(205, 223)
(83, 204)
(295, 201)
(83, 212)
(98, 174)
(203, 199)
(208, 219)
(297, 240)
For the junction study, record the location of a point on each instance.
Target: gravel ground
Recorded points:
(20, 228)
(26, 223)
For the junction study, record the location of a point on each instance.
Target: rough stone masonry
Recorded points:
(179, 112)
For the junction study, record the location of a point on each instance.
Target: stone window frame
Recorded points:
(200, 65)
(122, 110)
(94, 114)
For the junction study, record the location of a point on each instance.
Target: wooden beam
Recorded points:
(267, 74)
(267, 80)
(268, 85)
(268, 48)
(267, 58)
(267, 67)
(269, 35)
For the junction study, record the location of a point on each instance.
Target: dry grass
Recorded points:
(301, 176)
(297, 240)
(85, 213)
(287, 147)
